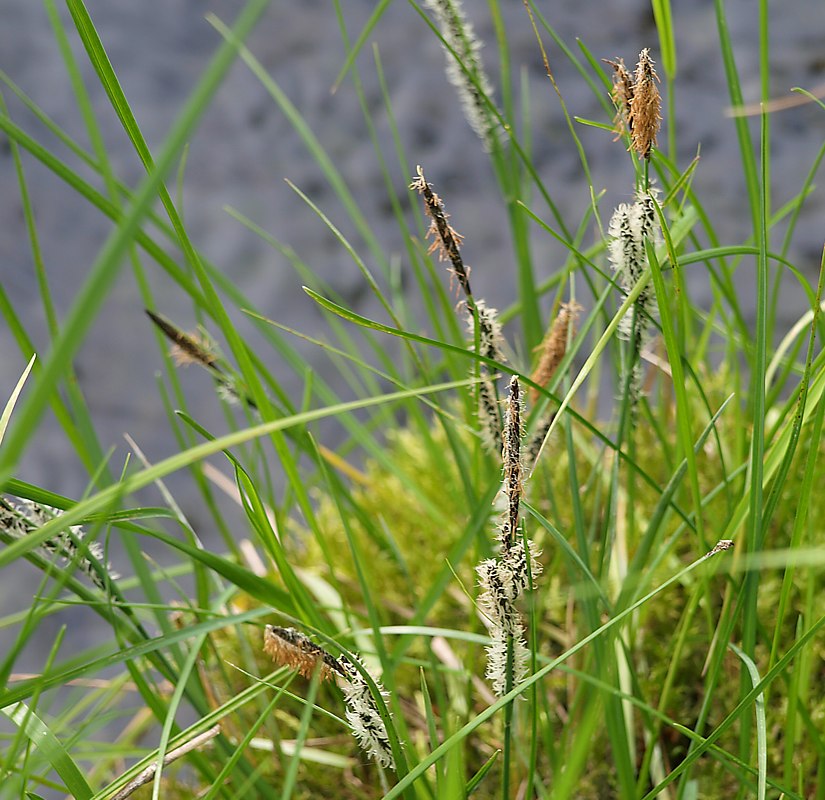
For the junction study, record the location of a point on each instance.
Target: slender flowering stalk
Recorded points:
(465, 70)
(18, 519)
(503, 579)
(291, 648)
(481, 319)
(445, 238)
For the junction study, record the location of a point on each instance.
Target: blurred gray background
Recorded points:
(245, 148)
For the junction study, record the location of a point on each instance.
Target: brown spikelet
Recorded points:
(290, 648)
(186, 348)
(554, 345)
(622, 95)
(446, 239)
(645, 119)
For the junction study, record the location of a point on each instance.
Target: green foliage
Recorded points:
(660, 663)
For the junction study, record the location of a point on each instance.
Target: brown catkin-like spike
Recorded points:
(288, 647)
(554, 345)
(445, 238)
(190, 348)
(645, 118)
(622, 94)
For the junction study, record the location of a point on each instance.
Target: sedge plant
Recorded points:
(566, 548)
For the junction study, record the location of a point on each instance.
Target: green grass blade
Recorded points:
(49, 745)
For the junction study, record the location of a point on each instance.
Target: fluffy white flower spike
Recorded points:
(364, 718)
(631, 225)
(291, 648)
(20, 518)
(469, 78)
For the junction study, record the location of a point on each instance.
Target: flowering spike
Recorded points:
(445, 238)
(291, 648)
(645, 119)
(488, 416)
(511, 455)
(490, 341)
(503, 579)
(19, 519)
(622, 94)
(364, 718)
(536, 440)
(497, 660)
(489, 331)
(630, 226)
(554, 345)
(187, 348)
(465, 70)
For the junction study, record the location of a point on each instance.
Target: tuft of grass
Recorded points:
(643, 590)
